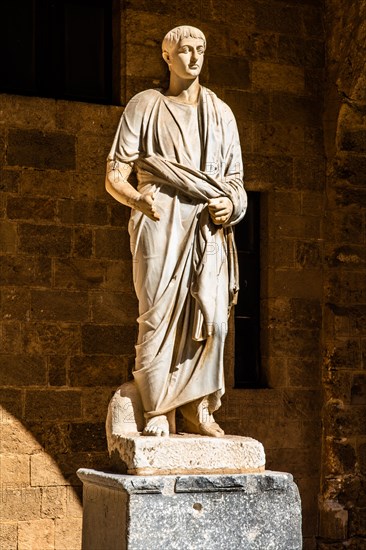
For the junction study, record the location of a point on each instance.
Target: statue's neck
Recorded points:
(186, 91)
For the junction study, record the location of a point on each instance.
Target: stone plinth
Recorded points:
(186, 454)
(188, 512)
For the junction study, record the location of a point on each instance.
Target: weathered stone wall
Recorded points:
(67, 313)
(343, 506)
(68, 309)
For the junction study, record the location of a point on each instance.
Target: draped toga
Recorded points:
(184, 266)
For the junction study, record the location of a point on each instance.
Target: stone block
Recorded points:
(231, 72)
(273, 76)
(59, 305)
(9, 535)
(29, 369)
(73, 211)
(36, 534)
(90, 186)
(249, 106)
(8, 237)
(344, 421)
(17, 439)
(87, 118)
(295, 313)
(304, 460)
(20, 270)
(295, 283)
(186, 454)
(51, 338)
(28, 208)
(10, 339)
(302, 404)
(53, 503)
(14, 469)
(333, 520)
(268, 172)
(357, 522)
(45, 472)
(353, 140)
(278, 139)
(344, 226)
(98, 370)
(337, 383)
(87, 437)
(82, 243)
(309, 173)
(253, 45)
(113, 244)
(57, 370)
(300, 52)
(27, 112)
(20, 502)
(304, 372)
(9, 181)
(309, 254)
(79, 273)
(53, 405)
(68, 533)
(50, 183)
(295, 342)
(44, 150)
(208, 511)
(340, 457)
(120, 215)
(299, 110)
(95, 403)
(74, 507)
(119, 275)
(47, 240)
(278, 18)
(11, 404)
(15, 304)
(113, 339)
(358, 390)
(361, 453)
(156, 68)
(118, 308)
(313, 20)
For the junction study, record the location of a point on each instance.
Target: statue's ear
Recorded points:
(166, 57)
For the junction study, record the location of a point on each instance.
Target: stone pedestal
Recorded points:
(186, 454)
(190, 512)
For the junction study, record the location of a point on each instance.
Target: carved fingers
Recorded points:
(220, 209)
(145, 203)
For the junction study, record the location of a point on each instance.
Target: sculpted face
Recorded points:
(186, 58)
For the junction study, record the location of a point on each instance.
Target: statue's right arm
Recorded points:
(118, 186)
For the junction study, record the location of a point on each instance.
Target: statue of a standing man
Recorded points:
(183, 145)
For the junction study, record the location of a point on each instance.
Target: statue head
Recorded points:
(173, 37)
(183, 50)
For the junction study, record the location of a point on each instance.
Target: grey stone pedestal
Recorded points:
(190, 512)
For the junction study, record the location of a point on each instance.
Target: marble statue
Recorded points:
(183, 145)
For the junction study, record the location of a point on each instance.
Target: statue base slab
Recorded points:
(219, 512)
(185, 454)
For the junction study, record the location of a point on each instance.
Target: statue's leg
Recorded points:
(198, 419)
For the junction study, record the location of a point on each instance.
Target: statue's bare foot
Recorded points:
(157, 426)
(199, 420)
(211, 429)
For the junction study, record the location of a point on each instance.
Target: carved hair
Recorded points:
(175, 35)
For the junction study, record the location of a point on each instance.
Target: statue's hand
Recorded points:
(145, 203)
(220, 210)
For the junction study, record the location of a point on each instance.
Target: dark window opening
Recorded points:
(247, 373)
(57, 48)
